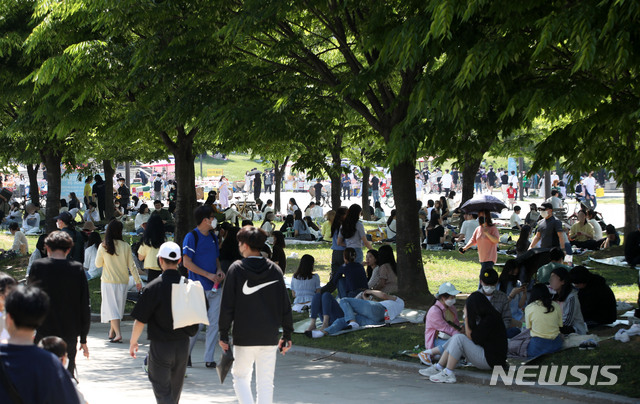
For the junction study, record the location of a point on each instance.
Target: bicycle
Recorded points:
(388, 200)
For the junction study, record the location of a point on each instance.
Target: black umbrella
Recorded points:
(483, 202)
(225, 364)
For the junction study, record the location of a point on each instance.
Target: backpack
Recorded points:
(157, 186)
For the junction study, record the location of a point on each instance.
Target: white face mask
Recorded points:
(214, 223)
(450, 302)
(58, 225)
(488, 289)
(544, 214)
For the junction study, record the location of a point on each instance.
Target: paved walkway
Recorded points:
(111, 376)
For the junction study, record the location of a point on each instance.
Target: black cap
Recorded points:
(546, 205)
(489, 276)
(65, 217)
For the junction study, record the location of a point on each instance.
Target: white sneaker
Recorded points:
(425, 358)
(443, 377)
(430, 371)
(354, 325)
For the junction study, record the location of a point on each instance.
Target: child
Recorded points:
(511, 195)
(58, 347)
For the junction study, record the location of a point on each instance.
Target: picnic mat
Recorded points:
(292, 241)
(571, 341)
(407, 316)
(615, 261)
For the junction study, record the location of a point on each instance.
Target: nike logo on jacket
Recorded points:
(248, 290)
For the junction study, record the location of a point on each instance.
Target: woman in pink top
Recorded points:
(485, 237)
(442, 321)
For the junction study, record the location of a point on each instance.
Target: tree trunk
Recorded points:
(412, 282)
(279, 172)
(34, 188)
(52, 160)
(366, 173)
(186, 189)
(109, 172)
(547, 185)
(469, 170)
(630, 207)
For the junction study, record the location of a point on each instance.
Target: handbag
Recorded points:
(188, 304)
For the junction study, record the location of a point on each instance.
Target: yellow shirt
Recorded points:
(326, 230)
(116, 267)
(150, 255)
(586, 230)
(87, 190)
(543, 324)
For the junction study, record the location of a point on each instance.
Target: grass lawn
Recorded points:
(233, 168)
(462, 271)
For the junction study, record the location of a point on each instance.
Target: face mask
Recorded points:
(488, 289)
(58, 225)
(481, 220)
(544, 214)
(214, 223)
(65, 363)
(450, 302)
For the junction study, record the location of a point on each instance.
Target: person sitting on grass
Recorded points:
(385, 276)
(612, 239)
(305, 284)
(350, 279)
(362, 312)
(39, 252)
(543, 317)
(567, 296)
(288, 224)
(498, 299)
(484, 342)
(597, 301)
(516, 292)
(582, 233)
(544, 272)
(435, 232)
(515, 221)
(441, 322)
(20, 243)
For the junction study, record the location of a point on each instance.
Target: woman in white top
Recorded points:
(141, 218)
(267, 224)
(136, 203)
(20, 243)
(90, 267)
(31, 220)
(292, 206)
(305, 284)
(352, 234)
(391, 225)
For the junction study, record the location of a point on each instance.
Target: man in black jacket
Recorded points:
(66, 223)
(66, 284)
(255, 300)
(169, 348)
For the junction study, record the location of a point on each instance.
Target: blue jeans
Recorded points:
(375, 194)
(363, 312)
(540, 346)
(214, 299)
(359, 255)
(439, 342)
(324, 304)
(478, 187)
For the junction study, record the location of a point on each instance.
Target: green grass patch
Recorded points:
(233, 168)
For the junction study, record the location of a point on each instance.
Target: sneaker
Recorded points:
(430, 371)
(145, 364)
(353, 325)
(443, 377)
(425, 358)
(210, 365)
(588, 344)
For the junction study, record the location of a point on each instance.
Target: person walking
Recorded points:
(65, 283)
(256, 302)
(201, 257)
(169, 348)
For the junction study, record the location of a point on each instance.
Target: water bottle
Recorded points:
(215, 287)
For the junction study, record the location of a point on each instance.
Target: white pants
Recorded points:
(265, 360)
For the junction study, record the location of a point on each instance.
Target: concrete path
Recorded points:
(111, 376)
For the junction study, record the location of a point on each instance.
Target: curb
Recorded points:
(465, 376)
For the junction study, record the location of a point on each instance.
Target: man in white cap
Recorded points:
(169, 348)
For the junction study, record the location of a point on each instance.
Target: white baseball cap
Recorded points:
(170, 251)
(447, 288)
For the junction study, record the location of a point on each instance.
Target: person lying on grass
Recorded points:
(484, 342)
(363, 312)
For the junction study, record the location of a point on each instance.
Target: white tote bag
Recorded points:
(188, 305)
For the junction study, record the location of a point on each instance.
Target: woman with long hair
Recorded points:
(288, 224)
(391, 225)
(385, 277)
(277, 251)
(267, 224)
(114, 256)
(516, 292)
(152, 239)
(543, 317)
(371, 259)
(74, 204)
(484, 342)
(378, 212)
(39, 252)
(337, 250)
(300, 228)
(435, 232)
(352, 234)
(229, 250)
(522, 245)
(305, 284)
(90, 252)
(567, 295)
(292, 206)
